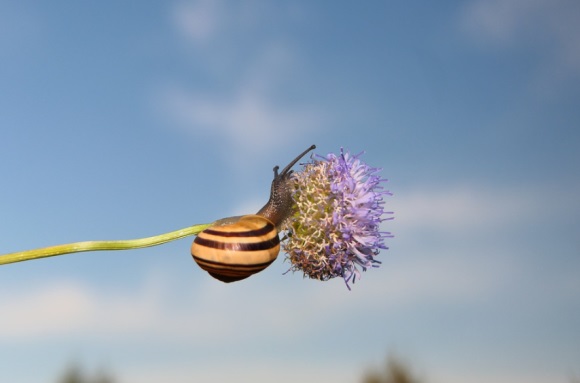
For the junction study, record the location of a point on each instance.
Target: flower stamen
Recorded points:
(337, 214)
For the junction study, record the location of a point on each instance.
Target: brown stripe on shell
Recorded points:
(237, 246)
(230, 273)
(219, 231)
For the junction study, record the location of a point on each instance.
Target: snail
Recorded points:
(236, 247)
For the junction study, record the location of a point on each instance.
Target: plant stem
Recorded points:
(77, 247)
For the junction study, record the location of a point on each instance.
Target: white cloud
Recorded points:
(248, 123)
(199, 21)
(458, 209)
(71, 309)
(251, 117)
(445, 277)
(551, 24)
(445, 234)
(66, 308)
(61, 309)
(500, 21)
(215, 21)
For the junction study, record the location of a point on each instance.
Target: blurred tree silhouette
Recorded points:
(74, 374)
(395, 372)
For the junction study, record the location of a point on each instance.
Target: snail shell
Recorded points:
(237, 247)
(235, 251)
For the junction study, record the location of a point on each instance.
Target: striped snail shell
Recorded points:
(236, 247)
(235, 251)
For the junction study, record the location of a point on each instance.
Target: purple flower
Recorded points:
(335, 228)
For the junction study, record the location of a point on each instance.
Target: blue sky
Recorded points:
(127, 120)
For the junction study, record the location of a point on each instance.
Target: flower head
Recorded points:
(335, 226)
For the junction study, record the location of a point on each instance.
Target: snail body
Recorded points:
(237, 247)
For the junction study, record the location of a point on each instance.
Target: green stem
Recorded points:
(77, 247)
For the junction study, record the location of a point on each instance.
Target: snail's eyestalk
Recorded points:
(289, 166)
(279, 206)
(236, 247)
